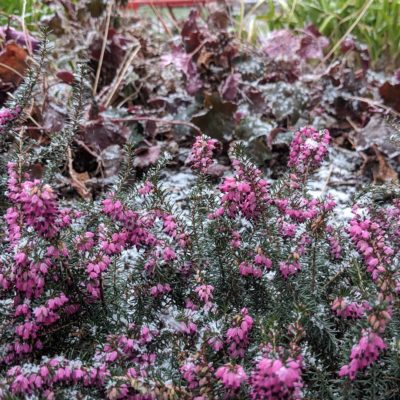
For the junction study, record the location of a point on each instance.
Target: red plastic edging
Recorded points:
(135, 4)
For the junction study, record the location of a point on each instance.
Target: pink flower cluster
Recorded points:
(85, 242)
(247, 269)
(160, 289)
(37, 204)
(28, 332)
(201, 156)
(289, 268)
(237, 337)
(195, 372)
(7, 115)
(275, 379)
(369, 239)
(245, 193)
(308, 149)
(44, 379)
(187, 327)
(131, 351)
(146, 188)
(189, 372)
(172, 229)
(231, 377)
(261, 262)
(94, 270)
(334, 243)
(51, 373)
(346, 310)
(205, 294)
(302, 209)
(363, 354)
(236, 240)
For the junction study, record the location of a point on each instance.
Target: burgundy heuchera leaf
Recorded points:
(228, 89)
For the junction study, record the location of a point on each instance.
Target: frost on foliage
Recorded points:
(250, 290)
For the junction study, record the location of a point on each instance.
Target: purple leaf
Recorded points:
(146, 156)
(183, 62)
(19, 37)
(229, 88)
(282, 44)
(312, 44)
(191, 34)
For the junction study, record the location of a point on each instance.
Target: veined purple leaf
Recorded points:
(229, 88)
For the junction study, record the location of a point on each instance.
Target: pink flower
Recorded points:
(216, 343)
(235, 242)
(205, 292)
(146, 188)
(245, 194)
(20, 258)
(237, 336)
(231, 376)
(369, 239)
(247, 269)
(289, 269)
(363, 354)
(308, 149)
(7, 115)
(85, 242)
(261, 259)
(347, 310)
(187, 328)
(169, 254)
(274, 379)
(160, 289)
(202, 152)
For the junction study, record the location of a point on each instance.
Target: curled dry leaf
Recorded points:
(391, 94)
(146, 156)
(376, 133)
(78, 180)
(66, 76)
(12, 64)
(384, 172)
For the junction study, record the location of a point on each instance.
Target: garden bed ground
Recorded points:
(192, 208)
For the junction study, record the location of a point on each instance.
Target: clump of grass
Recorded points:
(374, 23)
(30, 11)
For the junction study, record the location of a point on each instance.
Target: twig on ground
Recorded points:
(103, 47)
(158, 120)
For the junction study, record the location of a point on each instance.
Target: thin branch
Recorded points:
(11, 69)
(24, 30)
(159, 120)
(103, 47)
(353, 25)
(122, 75)
(372, 103)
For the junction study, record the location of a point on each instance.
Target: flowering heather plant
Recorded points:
(251, 290)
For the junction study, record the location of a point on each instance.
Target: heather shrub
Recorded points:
(250, 289)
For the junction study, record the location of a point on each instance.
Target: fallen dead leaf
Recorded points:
(78, 179)
(391, 94)
(384, 172)
(13, 64)
(146, 156)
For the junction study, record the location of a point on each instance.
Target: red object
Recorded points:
(135, 4)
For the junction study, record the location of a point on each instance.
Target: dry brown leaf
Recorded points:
(146, 156)
(13, 63)
(205, 58)
(391, 94)
(78, 179)
(384, 172)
